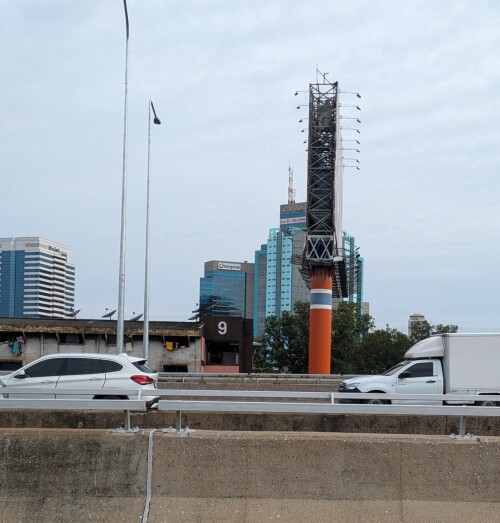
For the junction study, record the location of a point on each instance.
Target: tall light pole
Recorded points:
(156, 121)
(121, 279)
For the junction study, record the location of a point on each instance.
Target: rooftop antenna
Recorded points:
(73, 313)
(135, 317)
(109, 314)
(291, 190)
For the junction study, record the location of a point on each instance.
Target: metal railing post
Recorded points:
(178, 420)
(126, 420)
(462, 427)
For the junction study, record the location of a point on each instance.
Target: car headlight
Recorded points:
(349, 386)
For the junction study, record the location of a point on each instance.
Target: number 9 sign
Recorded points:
(222, 328)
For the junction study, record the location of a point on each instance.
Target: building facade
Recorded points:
(227, 289)
(354, 266)
(173, 346)
(278, 282)
(36, 279)
(259, 292)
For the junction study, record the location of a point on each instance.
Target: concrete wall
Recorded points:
(95, 475)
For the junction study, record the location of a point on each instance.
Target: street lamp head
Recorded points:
(156, 119)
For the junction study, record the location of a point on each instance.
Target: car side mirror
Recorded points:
(21, 375)
(404, 374)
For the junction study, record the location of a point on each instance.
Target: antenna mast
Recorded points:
(291, 190)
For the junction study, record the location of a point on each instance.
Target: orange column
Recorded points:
(320, 320)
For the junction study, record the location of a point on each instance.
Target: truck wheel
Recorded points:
(487, 403)
(378, 402)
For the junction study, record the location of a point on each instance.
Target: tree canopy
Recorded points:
(419, 330)
(357, 346)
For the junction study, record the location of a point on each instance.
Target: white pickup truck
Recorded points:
(442, 364)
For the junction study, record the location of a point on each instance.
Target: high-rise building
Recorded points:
(36, 278)
(226, 289)
(259, 291)
(354, 266)
(278, 282)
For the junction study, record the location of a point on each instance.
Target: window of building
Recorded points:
(175, 368)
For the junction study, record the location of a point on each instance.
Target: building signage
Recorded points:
(227, 266)
(58, 251)
(288, 221)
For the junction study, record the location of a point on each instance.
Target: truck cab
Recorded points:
(407, 377)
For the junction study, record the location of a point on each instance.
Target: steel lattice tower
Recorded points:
(323, 262)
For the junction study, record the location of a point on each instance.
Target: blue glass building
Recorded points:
(354, 264)
(36, 279)
(226, 289)
(278, 284)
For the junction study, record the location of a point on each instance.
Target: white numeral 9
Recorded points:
(222, 327)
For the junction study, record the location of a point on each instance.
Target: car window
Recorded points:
(78, 366)
(50, 367)
(421, 370)
(111, 366)
(143, 366)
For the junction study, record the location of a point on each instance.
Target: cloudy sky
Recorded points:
(424, 208)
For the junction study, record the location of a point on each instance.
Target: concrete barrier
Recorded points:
(426, 425)
(212, 476)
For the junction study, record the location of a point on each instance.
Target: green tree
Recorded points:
(261, 361)
(285, 341)
(444, 329)
(349, 327)
(419, 330)
(380, 350)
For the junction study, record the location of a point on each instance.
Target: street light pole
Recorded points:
(156, 121)
(121, 280)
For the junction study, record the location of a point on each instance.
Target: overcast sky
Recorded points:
(424, 208)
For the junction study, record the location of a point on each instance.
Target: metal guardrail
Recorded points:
(251, 377)
(310, 402)
(329, 405)
(44, 403)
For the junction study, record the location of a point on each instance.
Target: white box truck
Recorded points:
(442, 364)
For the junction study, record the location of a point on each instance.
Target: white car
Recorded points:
(85, 371)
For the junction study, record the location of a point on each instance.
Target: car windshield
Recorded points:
(143, 366)
(394, 369)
